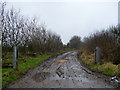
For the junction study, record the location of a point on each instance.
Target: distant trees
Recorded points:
(75, 42)
(26, 33)
(108, 41)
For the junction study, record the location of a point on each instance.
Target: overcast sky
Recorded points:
(71, 18)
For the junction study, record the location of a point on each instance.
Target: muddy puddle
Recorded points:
(39, 77)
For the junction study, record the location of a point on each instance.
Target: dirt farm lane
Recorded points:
(63, 71)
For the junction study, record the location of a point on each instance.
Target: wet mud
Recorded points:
(63, 71)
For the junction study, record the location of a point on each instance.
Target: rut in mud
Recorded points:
(64, 71)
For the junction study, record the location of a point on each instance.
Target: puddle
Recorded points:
(55, 77)
(82, 79)
(39, 77)
(60, 71)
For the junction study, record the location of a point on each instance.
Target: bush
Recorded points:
(108, 43)
(115, 54)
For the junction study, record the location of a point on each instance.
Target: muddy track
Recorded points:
(63, 71)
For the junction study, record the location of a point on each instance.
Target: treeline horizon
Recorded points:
(26, 34)
(31, 37)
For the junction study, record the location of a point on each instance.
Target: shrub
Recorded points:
(109, 43)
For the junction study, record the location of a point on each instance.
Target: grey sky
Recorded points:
(71, 18)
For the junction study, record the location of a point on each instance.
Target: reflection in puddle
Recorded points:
(55, 77)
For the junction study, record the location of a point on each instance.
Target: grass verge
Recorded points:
(25, 64)
(107, 68)
(9, 74)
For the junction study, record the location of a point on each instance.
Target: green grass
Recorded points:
(0, 77)
(107, 68)
(24, 64)
(31, 63)
(9, 74)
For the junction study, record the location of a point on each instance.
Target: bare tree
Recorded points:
(108, 41)
(27, 34)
